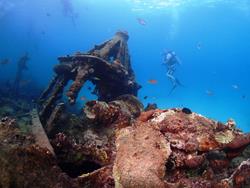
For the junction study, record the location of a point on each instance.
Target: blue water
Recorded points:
(48, 29)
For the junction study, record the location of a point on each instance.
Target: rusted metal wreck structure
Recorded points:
(107, 66)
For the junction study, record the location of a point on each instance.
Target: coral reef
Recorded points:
(157, 148)
(201, 149)
(24, 164)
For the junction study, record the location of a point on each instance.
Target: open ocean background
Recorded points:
(211, 38)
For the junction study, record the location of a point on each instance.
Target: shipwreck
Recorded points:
(114, 141)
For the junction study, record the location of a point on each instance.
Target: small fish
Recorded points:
(96, 78)
(172, 89)
(83, 98)
(152, 81)
(235, 86)
(145, 97)
(141, 21)
(4, 62)
(117, 62)
(198, 46)
(243, 96)
(176, 83)
(48, 14)
(209, 93)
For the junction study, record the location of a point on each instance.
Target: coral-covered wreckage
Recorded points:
(115, 142)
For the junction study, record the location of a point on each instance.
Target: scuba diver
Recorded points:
(171, 60)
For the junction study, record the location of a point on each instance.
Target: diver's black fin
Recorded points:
(178, 83)
(73, 21)
(173, 88)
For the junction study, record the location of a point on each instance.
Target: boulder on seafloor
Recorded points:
(140, 158)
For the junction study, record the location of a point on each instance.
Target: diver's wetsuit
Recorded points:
(170, 59)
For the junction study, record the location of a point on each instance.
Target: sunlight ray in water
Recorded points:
(149, 5)
(5, 6)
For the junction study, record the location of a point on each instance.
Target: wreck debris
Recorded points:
(107, 66)
(39, 133)
(50, 87)
(54, 118)
(48, 105)
(21, 66)
(81, 77)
